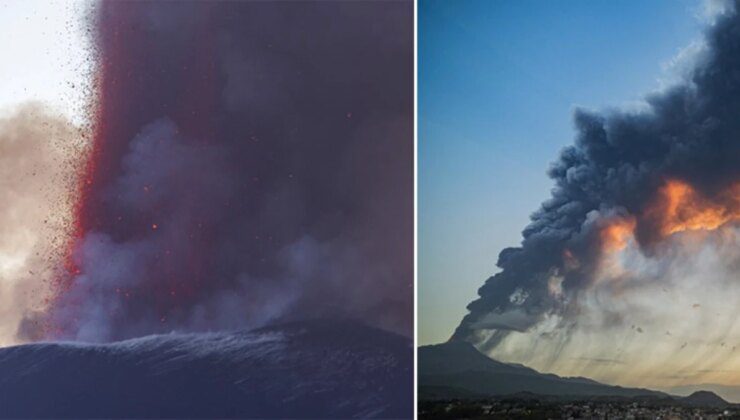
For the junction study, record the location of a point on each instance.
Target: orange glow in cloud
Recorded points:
(681, 208)
(616, 235)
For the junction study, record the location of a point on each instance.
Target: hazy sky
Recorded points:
(498, 82)
(43, 93)
(44, 54)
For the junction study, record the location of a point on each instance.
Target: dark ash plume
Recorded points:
(623, 170)
(252, 163)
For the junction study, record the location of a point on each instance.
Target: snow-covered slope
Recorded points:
(310, 369)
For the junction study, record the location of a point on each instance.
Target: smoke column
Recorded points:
(251, 163)
(641, 227)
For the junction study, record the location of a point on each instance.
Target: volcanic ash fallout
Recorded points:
(630, 269)
(251, 163)
(38, 167)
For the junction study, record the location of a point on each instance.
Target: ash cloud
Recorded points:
(612, 174)
(252, 162)
(36, 174)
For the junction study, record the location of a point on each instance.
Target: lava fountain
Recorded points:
(240, 173)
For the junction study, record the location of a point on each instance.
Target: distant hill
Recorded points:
(727, 392)
(456, 369)
(300, 370)
(704, 399)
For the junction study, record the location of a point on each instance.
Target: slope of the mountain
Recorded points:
(460, 356)
(457, 365)
(704, 399)
(427, 392)
(311, 369)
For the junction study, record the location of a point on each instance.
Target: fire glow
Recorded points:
(616, 235)
(676, 208)
(680, 208)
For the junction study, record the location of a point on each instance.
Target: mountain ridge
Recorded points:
(303, 369)
(459, 366)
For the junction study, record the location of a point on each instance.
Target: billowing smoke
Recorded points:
(641, 226)
(252, 162)
(36, 175)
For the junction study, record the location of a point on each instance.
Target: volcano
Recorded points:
(308, 369)
(456, 369)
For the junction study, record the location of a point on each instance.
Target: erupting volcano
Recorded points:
(250, 163)
(636, 252)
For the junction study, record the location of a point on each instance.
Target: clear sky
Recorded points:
(498, 82)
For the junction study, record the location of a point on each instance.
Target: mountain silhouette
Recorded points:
(456, 368)
(705, 399)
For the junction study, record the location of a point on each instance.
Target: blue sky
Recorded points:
(498, 83)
